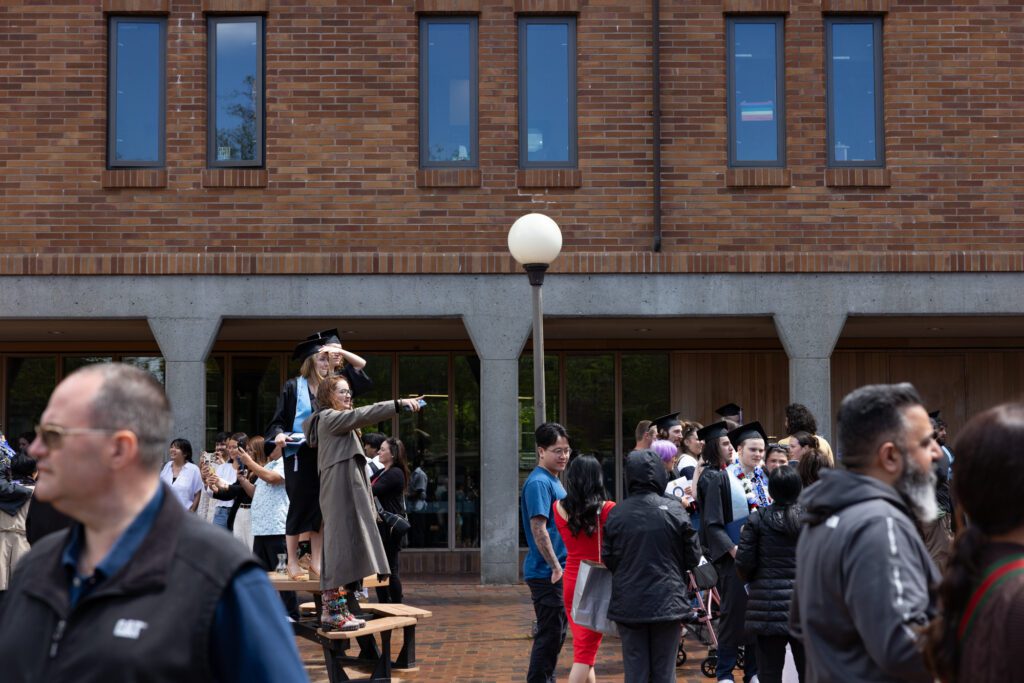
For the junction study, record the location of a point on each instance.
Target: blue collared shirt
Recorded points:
(252, 640)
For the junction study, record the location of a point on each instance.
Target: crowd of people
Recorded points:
(832, 560)
(140, 515)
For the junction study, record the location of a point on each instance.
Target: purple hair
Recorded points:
(666, 450)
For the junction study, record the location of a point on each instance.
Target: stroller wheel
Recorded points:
(680, 656)
(708, 666)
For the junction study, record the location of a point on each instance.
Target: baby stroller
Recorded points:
(702, 618)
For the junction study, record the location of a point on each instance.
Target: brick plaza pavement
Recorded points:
(480, 634)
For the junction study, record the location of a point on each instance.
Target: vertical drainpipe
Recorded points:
(656, 102)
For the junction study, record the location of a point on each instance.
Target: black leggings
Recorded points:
(392, 545)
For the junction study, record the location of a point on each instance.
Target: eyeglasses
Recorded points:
(560, 451)
(53, 436)
(344, 392)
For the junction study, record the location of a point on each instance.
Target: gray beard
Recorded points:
(917, 487)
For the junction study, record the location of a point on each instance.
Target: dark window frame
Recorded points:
(211, 91)
(780, 89)
(474, 94)
(879, 81)
(112, 161)
(573, 162)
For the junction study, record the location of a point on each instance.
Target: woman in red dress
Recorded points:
(577, 518)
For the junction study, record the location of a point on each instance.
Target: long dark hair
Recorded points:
(584, 494)
(987, 484)
(397, 449)
(784, 486)
(712, 454)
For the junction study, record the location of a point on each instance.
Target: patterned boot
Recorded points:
(335, 615)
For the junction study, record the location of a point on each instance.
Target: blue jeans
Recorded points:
(220, 516)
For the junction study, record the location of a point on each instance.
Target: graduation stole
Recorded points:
(996, 574)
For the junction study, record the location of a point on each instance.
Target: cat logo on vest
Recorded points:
(129, 628)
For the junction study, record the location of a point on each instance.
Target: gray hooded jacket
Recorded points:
(862, 583)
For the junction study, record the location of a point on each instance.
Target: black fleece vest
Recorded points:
(149, 622)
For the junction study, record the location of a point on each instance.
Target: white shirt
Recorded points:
(270, 504)
(186, 486)
(228, 473)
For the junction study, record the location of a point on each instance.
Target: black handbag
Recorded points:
(398, 525)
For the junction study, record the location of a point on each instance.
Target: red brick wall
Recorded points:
(342, 149)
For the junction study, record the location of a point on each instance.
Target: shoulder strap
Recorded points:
(996, 574)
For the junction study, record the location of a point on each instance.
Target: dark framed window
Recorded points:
(448, 91)
(235, 111)
(547, 92)
(853, 56)
(756, 87)
(137, 95)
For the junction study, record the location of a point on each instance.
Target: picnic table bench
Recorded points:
(381, 620)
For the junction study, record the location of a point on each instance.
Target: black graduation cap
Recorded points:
(667, 422)
(934, 414)
(751, 430)
(713, 431)
(311, 344)
(728, 409)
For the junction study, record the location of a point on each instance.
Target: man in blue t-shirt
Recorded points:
(543, 565)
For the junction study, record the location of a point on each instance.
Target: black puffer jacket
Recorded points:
(649, 546)
(766, 558)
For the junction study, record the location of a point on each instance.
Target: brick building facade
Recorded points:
(909, 268)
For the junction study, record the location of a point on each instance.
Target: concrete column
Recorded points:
(498, 341)
(809, 339)
(185, 343)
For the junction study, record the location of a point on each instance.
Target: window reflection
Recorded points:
(448, 60)
(590, 410)
(137, 84)
(756, 96)
(854, 106)
(466, 409)
(236, 90)
(548, 97)
(30, 381)
(425, 435)
(255, 384)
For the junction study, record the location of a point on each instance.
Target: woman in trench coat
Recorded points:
(352, 545)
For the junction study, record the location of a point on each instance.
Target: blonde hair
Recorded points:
(308, 369)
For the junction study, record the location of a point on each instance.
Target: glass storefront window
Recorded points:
(255, 385)
(590, 410)
(30, 381)
(425, 435)
(154, 365)
(215, 421)
(527, 447)
(466, 409)
(378, 368)
(71, 363)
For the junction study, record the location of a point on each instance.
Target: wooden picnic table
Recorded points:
(381, 619)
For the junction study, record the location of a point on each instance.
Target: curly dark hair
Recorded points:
(584, 494)
(800, 419)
